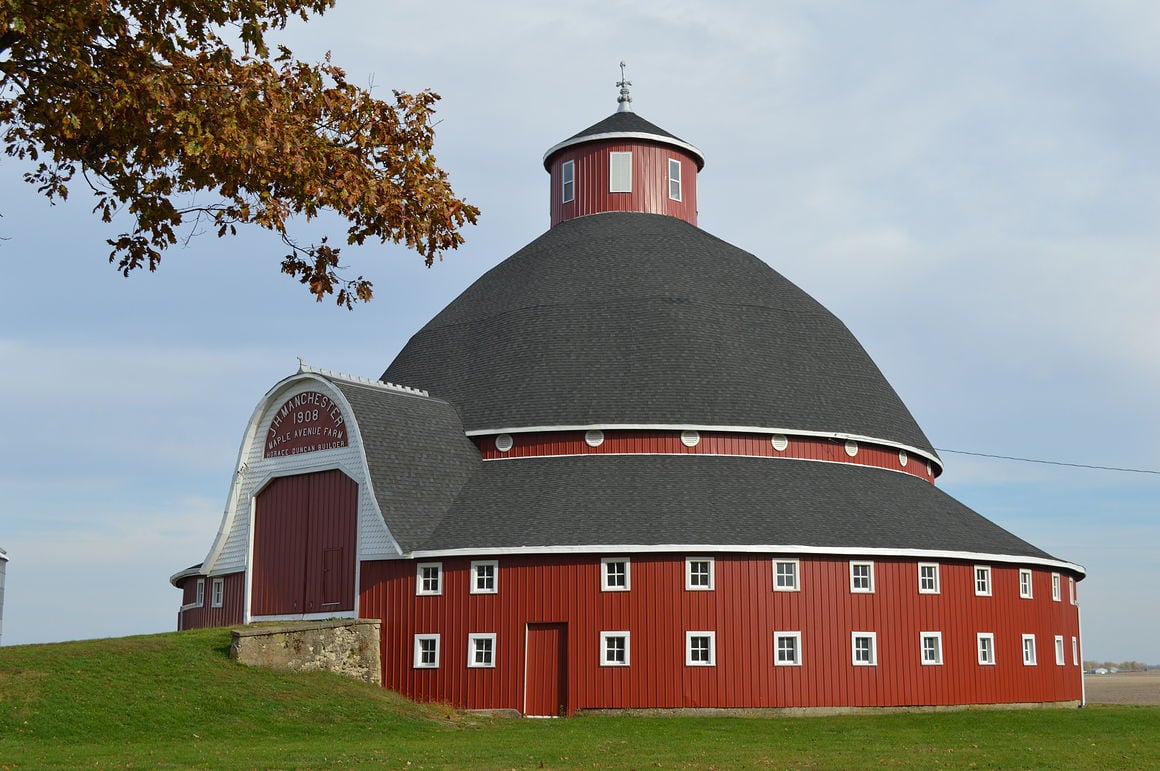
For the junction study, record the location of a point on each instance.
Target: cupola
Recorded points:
(623, 163)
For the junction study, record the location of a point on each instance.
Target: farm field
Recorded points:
(178, 701)
(1124, 688)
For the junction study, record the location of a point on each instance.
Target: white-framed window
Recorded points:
(217, 593)
(199, 600)
(928, 578)
(700, 649)
(620, 172)
(930, 646)
(864, 649)
(1028, 650)
(484, 576)
(1025, 590)
(1075, 651)
(426, 651)
(986, 648)
(429, 578)
(699, 574)
(481, 650)
(1060, 654)
(785, 575)
(983, 580)
(567, 181)
(1056, 595)
(615, 649)
(1071, 589)
(787, 649)
(615, 575)
(862, 577)
(674, 179)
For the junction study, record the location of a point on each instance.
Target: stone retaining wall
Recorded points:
(348, 646)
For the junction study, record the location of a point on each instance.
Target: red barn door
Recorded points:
(546, 677)
(304, 545)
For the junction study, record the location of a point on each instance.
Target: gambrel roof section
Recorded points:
(417, 454)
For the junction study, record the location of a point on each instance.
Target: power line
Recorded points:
(1052, 462)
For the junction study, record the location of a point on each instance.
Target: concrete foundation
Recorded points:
(347, 646)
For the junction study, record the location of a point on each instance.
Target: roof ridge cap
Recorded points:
(304, 368)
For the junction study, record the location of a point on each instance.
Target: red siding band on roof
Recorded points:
(658, 442)
(744, 612)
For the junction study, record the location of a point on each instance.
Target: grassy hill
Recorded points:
(177, 700)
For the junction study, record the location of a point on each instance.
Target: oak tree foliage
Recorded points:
(178, 113)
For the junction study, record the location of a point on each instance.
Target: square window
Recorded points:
(429, 578)
(614, 575)
(200, 600)
(1060, 655)
(614, 649)
(480, 650)
(700, 649)
(928, 578)
(674, 179)
(983, 580)
(1025, 584)
(864, 646)
(862, 577)
(426, 651)
(986, 644)
(699, 573)
(1056, 595)
(217, 592)
(1029, 650)
(484, 577)
(931, 646)
(785, 575)
(787, 649)
(567, 181)
(620, 172)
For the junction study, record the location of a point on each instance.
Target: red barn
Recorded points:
(632, 466)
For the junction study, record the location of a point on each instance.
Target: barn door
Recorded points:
(304, 545)
(546, 671)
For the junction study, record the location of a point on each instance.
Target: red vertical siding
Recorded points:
(744, 612)
(668, 442)
(650, 181)
(231, 612)
(545, 676)
(299, 521)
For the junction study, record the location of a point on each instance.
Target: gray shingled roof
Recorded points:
(650, 500)
(418, 456)
(625, 123)
(631, 318)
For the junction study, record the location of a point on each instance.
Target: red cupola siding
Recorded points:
(623, 163)
(634, 467)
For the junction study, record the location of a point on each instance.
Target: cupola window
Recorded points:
(568, 181)
(620, 172)
(674, 179)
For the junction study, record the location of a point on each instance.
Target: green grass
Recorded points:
(177, 700)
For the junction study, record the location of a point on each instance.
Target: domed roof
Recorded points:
(634, 319)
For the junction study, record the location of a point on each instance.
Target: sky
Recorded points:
(973, 188)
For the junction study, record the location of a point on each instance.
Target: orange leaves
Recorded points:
(146, 100)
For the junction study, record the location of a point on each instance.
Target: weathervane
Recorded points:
(624, 100)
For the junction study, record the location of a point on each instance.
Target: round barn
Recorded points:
(632, 466)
